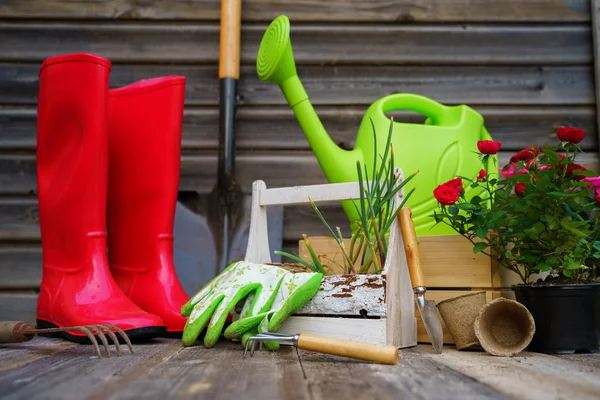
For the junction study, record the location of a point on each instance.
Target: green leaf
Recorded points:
(465, 206)
(453, 209)
(552, 154)
(476, 200)
(520, 178)
(572, 265)
(479, 247)
(542, 267)
(297, 259)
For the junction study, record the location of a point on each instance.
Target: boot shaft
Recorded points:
(144, 136)
(71, 155)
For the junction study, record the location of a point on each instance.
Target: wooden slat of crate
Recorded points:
(448, 261)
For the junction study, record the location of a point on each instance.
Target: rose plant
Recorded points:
(539, 213)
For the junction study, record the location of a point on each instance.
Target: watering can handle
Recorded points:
(414, 102)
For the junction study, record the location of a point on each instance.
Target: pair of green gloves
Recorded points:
(270, 295)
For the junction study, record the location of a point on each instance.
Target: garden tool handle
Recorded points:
(349, 348)
(229, 54)
(411, 247)
(414, 102)
(12, 331)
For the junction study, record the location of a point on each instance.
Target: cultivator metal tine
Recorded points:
(113, 337)
(123, 335)
(261, 337)
(89, 331)
(98, 331)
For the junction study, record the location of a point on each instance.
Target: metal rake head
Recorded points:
(288, 339)
(89, 331)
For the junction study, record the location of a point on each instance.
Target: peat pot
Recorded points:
(567, 317)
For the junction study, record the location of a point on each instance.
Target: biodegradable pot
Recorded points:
(459, 314)
(567, 317)
(504, 327)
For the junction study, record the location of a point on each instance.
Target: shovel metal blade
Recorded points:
(431, 320)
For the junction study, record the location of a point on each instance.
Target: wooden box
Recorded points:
(375, 308)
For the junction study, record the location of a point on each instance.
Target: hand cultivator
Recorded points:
(327, 345)
(20, 331)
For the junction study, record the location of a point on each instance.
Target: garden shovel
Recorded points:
(427, 308)
(212, 230)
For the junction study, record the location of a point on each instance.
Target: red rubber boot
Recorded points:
(144, 129)
(77, 287)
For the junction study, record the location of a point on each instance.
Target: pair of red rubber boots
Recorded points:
(108, 173)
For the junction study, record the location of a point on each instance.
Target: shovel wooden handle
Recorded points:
(229, 55)
(349, 348)
(411, 247)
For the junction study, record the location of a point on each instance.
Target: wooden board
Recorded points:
(199, 173)
(411, 378)
(352, 85)
(313, 44)
(448, 262)
(18, 306)
(526, 376)
(335, 10)
(47, 368)
(276, 127)
(595, 14)
(20, 266)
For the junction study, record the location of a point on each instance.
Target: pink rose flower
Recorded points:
(595, 181)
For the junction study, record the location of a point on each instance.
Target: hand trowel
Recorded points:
(427, 308)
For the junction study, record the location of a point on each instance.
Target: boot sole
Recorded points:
(172, 334)
(136, 335)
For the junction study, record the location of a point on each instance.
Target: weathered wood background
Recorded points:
(526, 65)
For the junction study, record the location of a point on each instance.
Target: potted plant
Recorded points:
(538, 217)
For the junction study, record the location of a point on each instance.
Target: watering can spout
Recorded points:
(275, 63)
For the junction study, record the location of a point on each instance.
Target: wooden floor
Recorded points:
(54, 368)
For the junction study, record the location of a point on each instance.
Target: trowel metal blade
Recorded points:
(431, 320)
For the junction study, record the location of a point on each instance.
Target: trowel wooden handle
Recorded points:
(411, 247)
(349, 348)
(229, 54)
(12, 331)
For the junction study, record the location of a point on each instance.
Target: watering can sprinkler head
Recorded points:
(275, 60)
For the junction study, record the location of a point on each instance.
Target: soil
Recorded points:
(562, 280)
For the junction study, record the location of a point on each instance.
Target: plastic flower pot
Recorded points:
(567, 317)
(504, 327)
(459, 314)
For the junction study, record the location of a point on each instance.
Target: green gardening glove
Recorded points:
(256, 283)
(295, 290)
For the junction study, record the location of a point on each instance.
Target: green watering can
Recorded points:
(440, 149)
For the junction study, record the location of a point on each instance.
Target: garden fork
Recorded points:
(21, 331)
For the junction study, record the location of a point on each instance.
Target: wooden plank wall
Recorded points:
(526, 65)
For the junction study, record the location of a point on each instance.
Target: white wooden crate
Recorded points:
(375, 308)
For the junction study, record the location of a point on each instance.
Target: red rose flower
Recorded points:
(488, 146)
(570, 134)
(597, 196)
(573, 167)
(481, 175)
(525, 154)
(446, 194)
(457, 184)
(520, 188)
